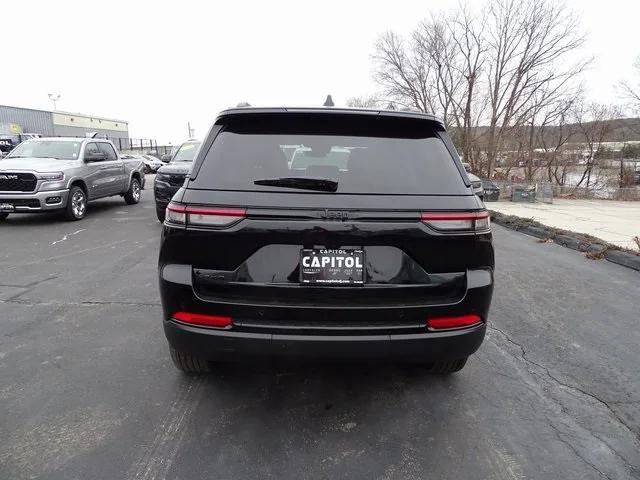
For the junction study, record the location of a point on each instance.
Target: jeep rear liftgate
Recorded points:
(326, 233)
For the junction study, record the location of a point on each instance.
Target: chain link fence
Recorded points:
(545, 192)
(140, 146)
(541, 192)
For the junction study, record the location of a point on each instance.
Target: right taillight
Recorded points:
(458, 221)
(175, 214)
(204, 216)
(446, 323)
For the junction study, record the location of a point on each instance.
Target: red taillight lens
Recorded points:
(214, 217)
(457, 221)
(204, 216)
(203, 320)
(443, 323)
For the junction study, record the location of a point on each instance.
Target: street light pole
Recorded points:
(54, 97)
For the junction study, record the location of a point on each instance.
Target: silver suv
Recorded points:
(63, 174)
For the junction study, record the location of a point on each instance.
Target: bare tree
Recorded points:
(554, 135)
(453, 46)
(594, 123)
(403, 74)
(505, 66)
(631, 90)
(528, 62)
(365, 102)
(548, 111)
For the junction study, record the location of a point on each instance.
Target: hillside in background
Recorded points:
(619, 130)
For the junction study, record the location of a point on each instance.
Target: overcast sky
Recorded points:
(161, 64)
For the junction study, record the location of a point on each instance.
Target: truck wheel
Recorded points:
(3, 216)
(161, 213)
(76, 204)
(133, 194)
(448, 366)
(188, 363)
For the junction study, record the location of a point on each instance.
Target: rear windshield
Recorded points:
(368, 155)
(186, 152)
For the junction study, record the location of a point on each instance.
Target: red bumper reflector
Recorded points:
(205, 320)
(453, 322)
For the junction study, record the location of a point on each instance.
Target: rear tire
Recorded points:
(3, 216)
(76, 207)
(188, 363)
(446, 367)
(161, 213)
(134, 193)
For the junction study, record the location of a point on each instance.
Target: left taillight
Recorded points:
(458, 221)
(204, 216)
(217, 321)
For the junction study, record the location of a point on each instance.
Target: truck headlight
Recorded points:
(51, 176)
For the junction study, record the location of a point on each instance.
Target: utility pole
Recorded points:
(190, 130)
(54, 97)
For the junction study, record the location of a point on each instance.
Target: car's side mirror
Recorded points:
(166, 157)
(94, 157)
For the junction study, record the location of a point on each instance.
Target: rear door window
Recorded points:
(365, 156)
(187, 152)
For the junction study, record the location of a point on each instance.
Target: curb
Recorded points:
(572, 240)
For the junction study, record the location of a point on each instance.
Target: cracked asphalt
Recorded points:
(88, 391)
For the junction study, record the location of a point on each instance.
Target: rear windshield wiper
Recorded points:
(305, 183)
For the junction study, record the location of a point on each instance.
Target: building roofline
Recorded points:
(329, 111)
(78, 114)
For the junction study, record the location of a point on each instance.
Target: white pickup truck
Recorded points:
(63, 174)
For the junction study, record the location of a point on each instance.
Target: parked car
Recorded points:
(491, 191)
(63, 174)
(390, 257)
(151, 163)
(476, 182)
(170, 178)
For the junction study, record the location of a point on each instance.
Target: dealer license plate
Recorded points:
(6, 207)
(344, 266)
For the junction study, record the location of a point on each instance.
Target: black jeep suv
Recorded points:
(351, 234)
(170, 178)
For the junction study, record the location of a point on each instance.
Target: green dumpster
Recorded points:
(520, 193)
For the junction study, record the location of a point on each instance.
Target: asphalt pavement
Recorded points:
(88, 391)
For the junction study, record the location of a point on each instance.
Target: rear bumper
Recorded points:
(35, 201)
(228, 345)
(359, 331)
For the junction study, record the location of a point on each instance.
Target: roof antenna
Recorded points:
(328, 102)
